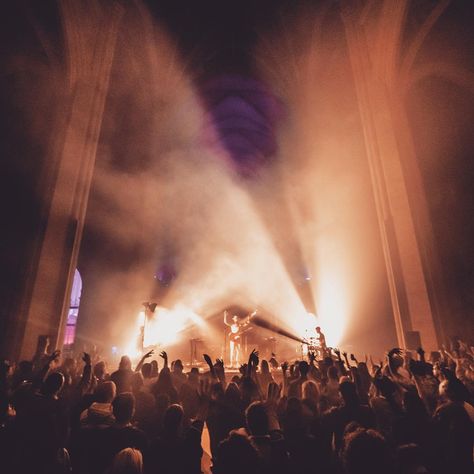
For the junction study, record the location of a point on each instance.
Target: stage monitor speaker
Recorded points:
(413, 340)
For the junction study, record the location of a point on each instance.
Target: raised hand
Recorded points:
(395, 351)
(219, 370)
(378, 371)
(149, 354)
(273, 393)
(253, 358)
(164, 355)
(311, 357)
(353, 358)
(54, 356)
(208, 360)
(87, 358)
(284, 366)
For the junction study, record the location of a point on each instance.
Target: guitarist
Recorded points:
(237, 328)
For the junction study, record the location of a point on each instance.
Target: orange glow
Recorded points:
(332, 309)
(164, 328)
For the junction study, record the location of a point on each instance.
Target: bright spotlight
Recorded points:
(332, 309)
(164, 328)
(304, 325)
(161, 328)
(141, 319)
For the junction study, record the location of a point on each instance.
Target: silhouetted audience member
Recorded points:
(236, 455)
(123, 376)
(269, 443)
(410, 460)
(100, 414)
(403, 416)
(177, 450)
(43, 428)
(366, 452)
(164, 386)
(122, 434)
(301, 445)
(88, 450)
(295, 389)
(387, 405)
(225, 413)
(350, 411)
(453, 429)
(127, 461)
(178, 377)
(144, 400)
(100, 371)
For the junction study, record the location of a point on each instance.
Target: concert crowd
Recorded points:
(410, 413)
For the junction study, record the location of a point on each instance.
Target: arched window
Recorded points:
(70, 332)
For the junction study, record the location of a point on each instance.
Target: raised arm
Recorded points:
(284, 370)
(39, 379)
(164, 356)
(252, 363)
(86, 378)
(250, 316)
(273, 396)
(346, 359)
(343, 366)
(421, 354)
(142, 360)
(370, 364)
(210, 365)
(219, 370)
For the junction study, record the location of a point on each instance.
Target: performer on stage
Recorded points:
(237, 328)
(321, 342)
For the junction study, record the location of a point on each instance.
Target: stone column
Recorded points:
(373, 34)
(90, 32)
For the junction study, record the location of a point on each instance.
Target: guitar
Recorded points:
(236, 332)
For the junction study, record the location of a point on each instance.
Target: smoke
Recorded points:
(278, 216)
(295, 233)
(165, 193)
(277, 213)
(324, 175)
